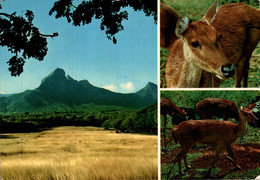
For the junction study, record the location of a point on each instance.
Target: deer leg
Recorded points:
(185, 161)
(178, 158)
(218, 148)
(245, 77)
(182, 155)
(231, 156)
(239, 74)
(164, 126)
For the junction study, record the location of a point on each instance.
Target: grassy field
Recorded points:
(194, 10)
(78, 153)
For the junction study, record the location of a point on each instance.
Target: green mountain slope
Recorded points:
(58, 92)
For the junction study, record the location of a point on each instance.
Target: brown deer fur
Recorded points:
(171, 109)
(237, 26)
(220, 133)
(168, 107)
(168, 20)
(217, 107)
(197, 48)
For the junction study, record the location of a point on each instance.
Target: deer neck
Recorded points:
(242, 125)
(191, 73)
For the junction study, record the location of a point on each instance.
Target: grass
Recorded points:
(78, 153)
(249, 174)
(194, 10)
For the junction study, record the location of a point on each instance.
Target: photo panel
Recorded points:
(209, 89)
(78, 89)
(204, 44)
(209, 134)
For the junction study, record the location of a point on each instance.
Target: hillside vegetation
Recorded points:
(189, 99)
(139, 120)
(58, 92)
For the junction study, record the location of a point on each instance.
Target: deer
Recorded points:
(167, 107)
(196, 48)
(238, 38)
(239, 26)
(221, 133)
(217, 107)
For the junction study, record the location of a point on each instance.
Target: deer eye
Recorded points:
(219, 37)
(195, 44)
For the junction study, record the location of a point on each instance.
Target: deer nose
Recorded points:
(228, 70)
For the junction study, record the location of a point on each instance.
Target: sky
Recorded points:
(85, 52)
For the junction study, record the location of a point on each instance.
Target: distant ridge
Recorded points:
(58, 92)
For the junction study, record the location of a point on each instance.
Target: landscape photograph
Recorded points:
(78, 89)
(210, 134)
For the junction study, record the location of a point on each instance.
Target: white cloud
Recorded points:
(127, 87)
(111, 87)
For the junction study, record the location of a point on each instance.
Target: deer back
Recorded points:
(239, 26)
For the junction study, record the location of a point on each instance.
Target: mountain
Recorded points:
(3, 95)
(58, 92)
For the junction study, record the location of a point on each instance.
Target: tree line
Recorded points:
(142, 120)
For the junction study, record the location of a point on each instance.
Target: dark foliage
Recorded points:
(108, 11)
(189, 99)
(22, 39)
(142, 120)
(25, 41)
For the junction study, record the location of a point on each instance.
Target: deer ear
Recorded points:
(181, 26)
(210, 14)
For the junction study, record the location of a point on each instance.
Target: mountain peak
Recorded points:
(59, 92)
(149, 90)
(58, 72)
(150, 84)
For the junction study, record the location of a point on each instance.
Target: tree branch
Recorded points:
(7, 15)
(49, 35)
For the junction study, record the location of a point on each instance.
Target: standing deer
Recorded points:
(217, 107)
(237, 36)
(169, 108)
(220, 133)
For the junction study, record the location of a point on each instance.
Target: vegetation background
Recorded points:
(201, 153)
(194, 10)
(189, 99)
(138, 120)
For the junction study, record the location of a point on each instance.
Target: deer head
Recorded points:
(201, 44)
(248, 114)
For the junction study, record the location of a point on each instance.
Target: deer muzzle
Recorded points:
(228, 70)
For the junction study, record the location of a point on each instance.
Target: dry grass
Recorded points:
(78, 153)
